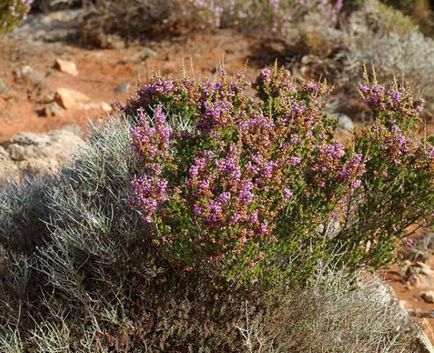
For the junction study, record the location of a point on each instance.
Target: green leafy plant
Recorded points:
(12, 13)
(254, 184)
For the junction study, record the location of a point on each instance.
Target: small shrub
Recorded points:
(12, 13)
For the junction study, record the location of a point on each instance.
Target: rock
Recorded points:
(68, 67)
(148, 53)
(420, 275)
(69, 98)
(52, 109)
(56, 145)
(106, 107)
(123, 87)
(345, 122)
(28, 74)
(26, 71)
(33, 153)
(51, 26)
(4, 155)
(97, 106)
(4, 88)
(428, 297)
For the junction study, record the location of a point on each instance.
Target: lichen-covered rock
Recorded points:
(33, 153)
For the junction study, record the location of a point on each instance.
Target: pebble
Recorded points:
(345, 122)
(67, 67)
(428, 297)
(52, 109)
(123, 87)
(70, 99)
(4, 88)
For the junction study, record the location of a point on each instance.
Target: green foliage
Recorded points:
(256, 186)
(12, 13)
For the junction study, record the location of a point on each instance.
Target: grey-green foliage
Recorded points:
(55, 233)
(335, 313)
(23, 209)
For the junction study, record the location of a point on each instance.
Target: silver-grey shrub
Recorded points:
(335, 313)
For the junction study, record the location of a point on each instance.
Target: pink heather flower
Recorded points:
(235, 218)
(395, 96)
(147, 139)
(265, 74)
(267, 169)
(409, 242)
(197, 210)
(161, 126)
(149, 192)
(421, 105)
(263, 228)
(297, 108)
(287, 193)
(254, 217)
(294, 161)
(431, 153)
(224, 198)
(214, 208)
(356, 184)
(295, 139)
(246, 194)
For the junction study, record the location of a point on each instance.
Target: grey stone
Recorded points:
(52, 109)
(148, 53)
(4, 88)
(428, 297)
(4, 155)
(123, 87)
(58, 145)
(345, 122)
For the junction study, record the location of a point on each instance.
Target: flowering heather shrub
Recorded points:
(398, 187)
(249, 182)
(12, 13)
(78, 272)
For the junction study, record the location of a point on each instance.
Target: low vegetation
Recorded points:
(198, 221)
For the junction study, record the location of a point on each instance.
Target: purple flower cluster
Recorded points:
(394, 144)
(150, 140)
(331, 167)
(251, 169)
(329, 157)
(396, 102)
(149, 192)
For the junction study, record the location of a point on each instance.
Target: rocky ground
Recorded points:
(50, 91)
